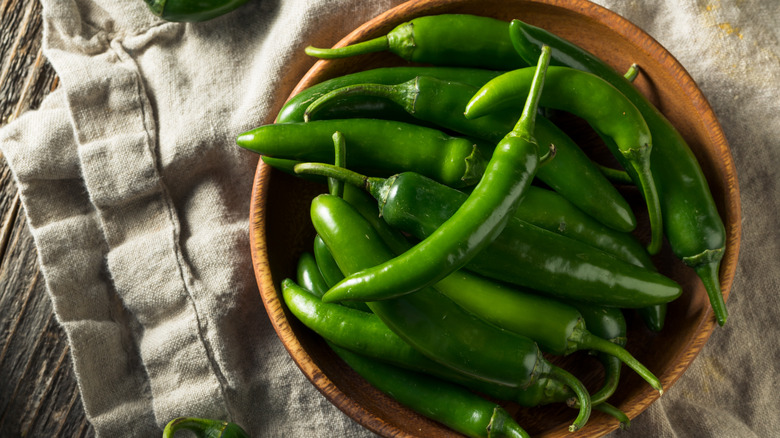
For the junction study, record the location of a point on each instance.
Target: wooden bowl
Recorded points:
(281, 228)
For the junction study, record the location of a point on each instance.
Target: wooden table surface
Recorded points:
(39, 395)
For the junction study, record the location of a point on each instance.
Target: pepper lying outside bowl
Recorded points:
(282, 230)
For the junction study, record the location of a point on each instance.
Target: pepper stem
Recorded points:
(615, 176)
(583, 398)
(398, 94)
(708, 272)
(611, 377)
(647, 184)
(335, 185)
(502, 425)
(619, 415)
(204, 428)
(632, 72)
(373, 45)
(528, 117)
(591, 342)
(332, 171)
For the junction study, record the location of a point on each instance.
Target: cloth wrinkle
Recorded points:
(184, 271)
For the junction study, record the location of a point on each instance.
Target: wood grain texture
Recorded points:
(38, 391)
(279, 200)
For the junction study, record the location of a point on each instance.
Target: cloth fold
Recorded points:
(138, 201)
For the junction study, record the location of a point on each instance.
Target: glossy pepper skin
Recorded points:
(471, 228)
(601, 105)
(548, 210)
(192, 11)
(447, 39)
(441, 103)
(432, 324)
(381, 146)
(543, 208)
(204, 428)
(330, 273)
(523, 254)
(308, 274)
(607, 323)
(557, 327)
(365, 334)
(293, 110)
(692, 224)
(453, 406)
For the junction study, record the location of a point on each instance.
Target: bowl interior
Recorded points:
(281, 229)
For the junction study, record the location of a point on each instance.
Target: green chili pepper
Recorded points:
(692, 223)
(382, 146)
(607, 323)
(455, 407)
(548, 210)
(192, 11)
(653, 317)
(328, 268)
(601, 105)
(441, 103)
(621, 416)
(367, 207)
(368, 335)
(330, 272)
(433, 324)
(477, 222)
(523, 254)
(557, 327)
(293, 110)
(309, 276)
(541, 207)
(454, 40)
(365, 334)
(204, 428)
(616, 176)
(604, 324)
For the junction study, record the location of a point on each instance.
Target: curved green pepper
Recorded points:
(601, 105)
(432, 324)
(557, 327)
(448, 39)
(692, 223)
(523, 254)
(330, 273)
(293, 110)
(309, 275)
(380, 146)
(471, 228)
(607, 323)
(440, 102)
(455, 407)
(365, 334)
(204, 428)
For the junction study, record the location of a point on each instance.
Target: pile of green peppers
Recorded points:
(464, 237)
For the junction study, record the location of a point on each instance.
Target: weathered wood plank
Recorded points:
(40, 395)
(38, 391)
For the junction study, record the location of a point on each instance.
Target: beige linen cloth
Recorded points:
(138, 201)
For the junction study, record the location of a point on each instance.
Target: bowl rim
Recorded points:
(626, 30)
